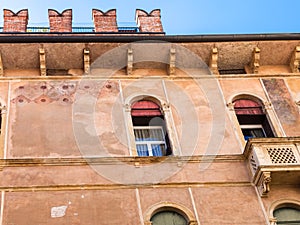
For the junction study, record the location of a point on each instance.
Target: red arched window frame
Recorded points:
(145, 108)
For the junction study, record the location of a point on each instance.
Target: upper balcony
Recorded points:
(273, 160)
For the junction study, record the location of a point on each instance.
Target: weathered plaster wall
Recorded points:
(198, 172)
(71, 207)
(43, 116)
(41, 119)
(228, 205)
(214, 205)
(283, 103)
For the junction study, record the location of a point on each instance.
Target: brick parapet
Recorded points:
(149, 22)
(105, 21)
(15, 22)
(60, 22)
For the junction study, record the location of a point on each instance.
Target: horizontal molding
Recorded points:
(137, 161)
(136, 77)
(121, 186)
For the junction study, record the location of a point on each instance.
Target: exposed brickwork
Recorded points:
(15, 22)
(60, 22)
(105, 21)
(149, 22)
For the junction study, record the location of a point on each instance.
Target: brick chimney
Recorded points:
(60, 22)
(149, 22)
(15, 22)
(105, 21)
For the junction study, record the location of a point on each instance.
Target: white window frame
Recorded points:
(253, 126)
(150, 143)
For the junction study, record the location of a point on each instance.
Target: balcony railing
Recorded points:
(275, 160)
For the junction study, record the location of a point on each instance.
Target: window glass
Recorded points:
(252, 131)
(287, 216)
(168, 218)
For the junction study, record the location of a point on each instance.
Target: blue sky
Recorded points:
(180, 17)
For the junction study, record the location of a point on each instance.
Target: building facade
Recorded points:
(128, 125)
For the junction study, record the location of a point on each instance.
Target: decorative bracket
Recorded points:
(3, 109)
(165, 107)
(230, 106)
(1, 66)
(127, 108)
(213, 63)
(43, 69)
(295, 60)
(172, 62)
(255, 62)
(264, 184)
(129, 61)
(267, 105)
(272, 221)
(86, 60)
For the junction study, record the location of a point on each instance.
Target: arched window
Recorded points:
(150, 131)
(287, 215)
(252, 119)
(168, 218)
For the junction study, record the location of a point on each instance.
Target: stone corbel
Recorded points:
(255, 62)
(43, 69)
(129, 61)
(86, 61)
(264, 184)
(172, 62)
(295, 60)
(1, 66)
(213, 63)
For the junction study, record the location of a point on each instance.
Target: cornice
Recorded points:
(25, 162)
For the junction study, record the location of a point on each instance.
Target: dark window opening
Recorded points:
(253, 121)
(150, 132)
(232, 71)
(58, 72)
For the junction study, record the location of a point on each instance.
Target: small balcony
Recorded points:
(273, 160)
